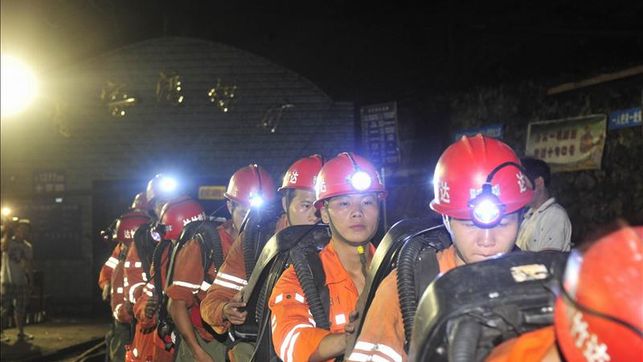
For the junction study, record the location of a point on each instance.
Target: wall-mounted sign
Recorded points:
(380, 134)
(492, 130)
(211, 192)
(623, 118)
(569, 144)
(49, 181)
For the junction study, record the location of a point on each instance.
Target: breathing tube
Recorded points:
(409, 253)
(463, 342)
(435, 238)
(305, 276)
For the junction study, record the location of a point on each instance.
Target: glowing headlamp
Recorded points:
(256, 201)
(486, 208)
(157, 232)
(168, 185)
(360, 180)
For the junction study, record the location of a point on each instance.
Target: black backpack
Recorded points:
(423, 232)
(273, 260)
(462, 317)
(211, 253)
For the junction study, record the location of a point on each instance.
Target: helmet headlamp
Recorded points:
(168, 185)
(486, 208)
(360, 180)
(256, 201)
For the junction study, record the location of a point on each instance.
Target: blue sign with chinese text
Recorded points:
(492, 130)
(380, 134)
(623, 118)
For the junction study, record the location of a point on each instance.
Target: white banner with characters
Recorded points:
(570, 144)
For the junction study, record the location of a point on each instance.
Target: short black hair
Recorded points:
(289, 194)
(536, 168)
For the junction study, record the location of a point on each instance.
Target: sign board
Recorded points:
(492, 130)
(379, 133)
(211, 192)
(623, 118)
(570, 144)
(49, 181)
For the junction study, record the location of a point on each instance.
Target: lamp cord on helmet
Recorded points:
(503, 165)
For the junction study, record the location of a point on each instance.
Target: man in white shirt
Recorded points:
(546, 225)
(16, 275)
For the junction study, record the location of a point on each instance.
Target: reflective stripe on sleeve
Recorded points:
(361, 357)
(185, 284)
(132, 289)
(287, 340)
(111, 262)
(382, 348)
(232, 278)
(205, 286)
(226, 284)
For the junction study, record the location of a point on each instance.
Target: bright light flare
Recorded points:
(361, 181)
(486, 212)
(256, 201)
(6, 211)
(19, 86)
(168, 184)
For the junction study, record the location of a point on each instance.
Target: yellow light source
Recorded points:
(19, 86)
(6, 211)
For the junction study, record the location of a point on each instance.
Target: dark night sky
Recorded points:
(355, 51)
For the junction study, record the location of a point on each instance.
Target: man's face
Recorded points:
(238, 212)
(353, 218)
(300, 210)
(476, 244)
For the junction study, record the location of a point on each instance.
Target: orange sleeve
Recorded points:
(139, 308)
(135, 275)
(106, 270)
(533, 346)
(117, 299)
(294, 335)
(382, 335)
(187, 276)
(229, 281)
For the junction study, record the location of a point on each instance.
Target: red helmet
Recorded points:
(161, 186)
(600, 315)
(302, 173)
(475, 166)
(128, 223)
(176, 214)
(345, 174)
(140, 202)
(248, 183)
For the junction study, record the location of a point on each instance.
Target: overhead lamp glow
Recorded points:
(361, 181)
(6, 211)
(19, 86)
